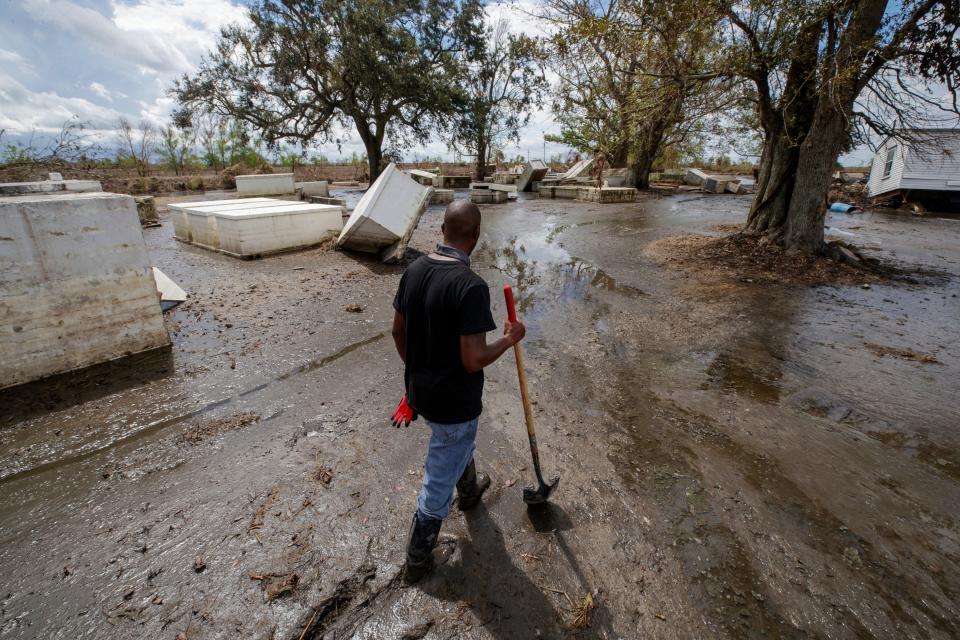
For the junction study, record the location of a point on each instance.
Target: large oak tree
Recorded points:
(307, 71)
(825, 71)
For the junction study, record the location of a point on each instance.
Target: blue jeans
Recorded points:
(450, 451)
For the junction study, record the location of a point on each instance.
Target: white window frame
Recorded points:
(888, 161)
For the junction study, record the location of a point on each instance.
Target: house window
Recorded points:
(888, 163)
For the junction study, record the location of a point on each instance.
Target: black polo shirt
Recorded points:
(441, 300)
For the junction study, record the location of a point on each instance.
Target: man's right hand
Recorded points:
(514, 331)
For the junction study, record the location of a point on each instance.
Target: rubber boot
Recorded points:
(470, 487)
(423, 538)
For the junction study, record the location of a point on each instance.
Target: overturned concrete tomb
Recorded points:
(532, 172)
(316, 188)
(695, 177)
(254, 227)
(267, 184)
(425, 178)
(441, 196)
(385, 217)
(716, 184)
(580, 169)
(76, 287)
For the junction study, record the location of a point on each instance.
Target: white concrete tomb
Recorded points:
(254, 227)
(267, 184)
(76, 287)
(386, 215)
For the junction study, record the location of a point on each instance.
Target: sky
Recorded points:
(98, 60)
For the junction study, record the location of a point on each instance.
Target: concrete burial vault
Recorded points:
(254, 227)
(385, 217)
(76, 287)
(267, 184)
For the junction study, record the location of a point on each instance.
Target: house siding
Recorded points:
(937, 169)
(878, 184)
(932, 166)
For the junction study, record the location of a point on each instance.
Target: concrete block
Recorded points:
(425, 178)
(82, 186)
(340, 202)
(255, 229)
(733, 186)
(316, 188)
(580, 169)
(147, 211)
(442, 196)
(505, 177)
(715, 184)
(385, 217)
(695, 177)
(452, 182)
(54, 176)
(49, 186)
(181, 221)
(559, 192)
(76, 287)
(606, 195)
(487, 196)
(268, 184)
(532, 172)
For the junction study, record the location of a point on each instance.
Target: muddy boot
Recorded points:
(423, 538)
(470, 487)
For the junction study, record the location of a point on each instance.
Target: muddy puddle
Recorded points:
(737, 461)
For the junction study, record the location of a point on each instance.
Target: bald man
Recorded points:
(440, 330)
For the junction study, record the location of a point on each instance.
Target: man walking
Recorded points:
(439, 328)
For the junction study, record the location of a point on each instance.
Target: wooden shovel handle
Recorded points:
(521, 371)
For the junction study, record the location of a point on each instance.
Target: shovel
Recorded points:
(541, 493)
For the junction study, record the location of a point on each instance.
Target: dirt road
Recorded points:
(738, 460)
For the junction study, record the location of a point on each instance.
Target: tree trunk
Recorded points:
(640, 170)
(647, 149)
(775, 184)
(481, 166)
(373, 143)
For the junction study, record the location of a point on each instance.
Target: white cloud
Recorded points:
(11, 56)
(23, 110)
(101, 91)
(102, 33)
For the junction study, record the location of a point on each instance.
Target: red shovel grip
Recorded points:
(511, 306)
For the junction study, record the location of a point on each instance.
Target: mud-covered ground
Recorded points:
(738, 460)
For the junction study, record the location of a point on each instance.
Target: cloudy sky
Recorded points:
(100, 59)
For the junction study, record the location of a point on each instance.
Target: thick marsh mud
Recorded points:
(738, 459)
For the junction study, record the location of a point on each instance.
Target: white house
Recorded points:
(923, 162)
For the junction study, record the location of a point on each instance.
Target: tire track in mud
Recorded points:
(159, 426)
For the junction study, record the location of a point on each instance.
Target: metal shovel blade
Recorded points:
(539, 495)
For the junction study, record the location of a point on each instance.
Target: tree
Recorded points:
(305, 69)
(176, 147)
(825, 72)
(71, 144)
(214, 136)
(503, 83)
(136, 144)
(635, 77)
